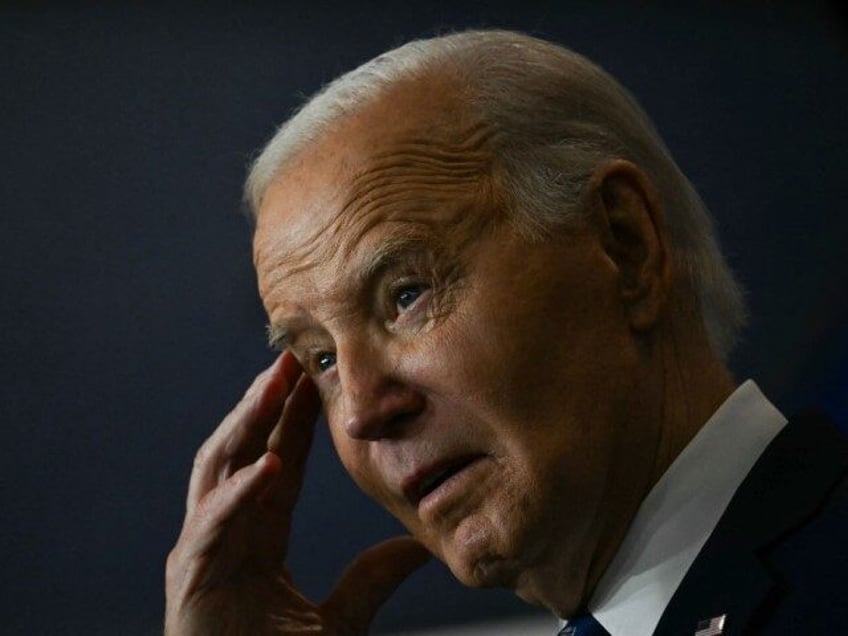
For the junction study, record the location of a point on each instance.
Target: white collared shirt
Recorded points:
(681, 511)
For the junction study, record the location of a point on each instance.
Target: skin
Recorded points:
(559, 377)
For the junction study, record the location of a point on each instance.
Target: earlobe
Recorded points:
(629, 218)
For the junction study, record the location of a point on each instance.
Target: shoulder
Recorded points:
(809, 560)
(775, 563)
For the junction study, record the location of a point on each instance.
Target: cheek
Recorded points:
(356, 461)
(346, 449)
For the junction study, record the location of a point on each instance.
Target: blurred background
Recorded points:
(130, 323)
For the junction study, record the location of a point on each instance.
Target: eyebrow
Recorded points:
(389, 253)
(278, 336)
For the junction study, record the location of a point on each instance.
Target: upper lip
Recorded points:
(425, 479)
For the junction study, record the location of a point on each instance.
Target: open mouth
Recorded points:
(429, 480)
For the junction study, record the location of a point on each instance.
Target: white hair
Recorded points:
(557, 116)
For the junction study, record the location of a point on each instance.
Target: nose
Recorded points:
(376, 400)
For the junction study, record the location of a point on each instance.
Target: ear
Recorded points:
(629, 218)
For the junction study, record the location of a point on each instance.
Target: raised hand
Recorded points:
(226, 574)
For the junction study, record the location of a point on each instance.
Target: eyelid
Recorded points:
(410, 280)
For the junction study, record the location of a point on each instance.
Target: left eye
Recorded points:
(325, 361)
(406, 296)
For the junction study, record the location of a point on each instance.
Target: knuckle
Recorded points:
(172, 560)
(203, 455)
(174, 565)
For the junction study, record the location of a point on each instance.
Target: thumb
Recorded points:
(370, 580)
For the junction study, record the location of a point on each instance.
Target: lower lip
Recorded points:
(452, 487)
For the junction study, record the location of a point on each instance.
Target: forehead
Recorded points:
(417, 163)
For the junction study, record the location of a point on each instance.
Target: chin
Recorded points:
(487, 571)
(477, 555)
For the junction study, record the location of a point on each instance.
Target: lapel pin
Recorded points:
(711, 627)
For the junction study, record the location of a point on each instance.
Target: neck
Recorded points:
(688, 383)
(695, 382)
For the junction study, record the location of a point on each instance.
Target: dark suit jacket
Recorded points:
(777, 562)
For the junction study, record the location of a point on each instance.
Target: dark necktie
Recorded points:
(584, 625)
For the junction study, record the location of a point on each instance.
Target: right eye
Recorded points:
(325, 360)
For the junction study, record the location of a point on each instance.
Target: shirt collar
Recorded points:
(681, 511)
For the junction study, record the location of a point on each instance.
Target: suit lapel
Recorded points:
(784, 489)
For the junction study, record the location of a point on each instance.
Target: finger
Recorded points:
(210, 518)
(291, 440)
(211, 458)
(371, 579)
(245, 439)
(240, 438)
(301, 411)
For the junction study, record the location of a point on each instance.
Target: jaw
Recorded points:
(539, 579)
(534, 588)
(558, 580)
(546, 557)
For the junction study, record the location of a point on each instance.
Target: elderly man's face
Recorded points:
(477, 385)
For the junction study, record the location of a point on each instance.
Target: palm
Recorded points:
(226, 575)
(258, 605)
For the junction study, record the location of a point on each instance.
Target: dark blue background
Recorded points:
(130, 322)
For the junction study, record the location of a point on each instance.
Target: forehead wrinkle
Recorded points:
(468, 158)
(391, 195)
(307, 255)
(444, 173)
(414, 177)
(436, 209)
(281, 265)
